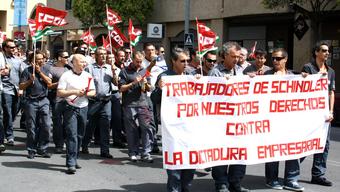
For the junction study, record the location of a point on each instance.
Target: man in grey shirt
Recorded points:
(228, 179)
(10, 79)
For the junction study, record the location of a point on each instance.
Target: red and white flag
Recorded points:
(32, 27)
(134, 34)
(252, 51)
(117, 37)
(112, 17)
(2, 36)
(88, 38)
(206, 38)
(106, 43)
(46, 16)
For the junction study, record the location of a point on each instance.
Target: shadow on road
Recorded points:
(34, 165)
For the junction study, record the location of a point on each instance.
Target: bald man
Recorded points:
(75, 86)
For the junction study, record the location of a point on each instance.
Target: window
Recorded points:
(68, 4)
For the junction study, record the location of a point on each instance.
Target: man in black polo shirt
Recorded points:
(134, 85)
(319, 65)
(34, 81)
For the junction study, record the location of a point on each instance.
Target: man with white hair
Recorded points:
(242, 62)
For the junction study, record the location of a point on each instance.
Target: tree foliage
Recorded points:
(316, 5)
(91, 12)
(318, 9)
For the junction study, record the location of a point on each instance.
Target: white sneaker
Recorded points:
(133, 158)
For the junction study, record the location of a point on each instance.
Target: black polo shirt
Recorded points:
(38, 89)
(312, 68)
(134, 97)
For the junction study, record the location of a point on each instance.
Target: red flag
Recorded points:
(117, 37)
(46, 16)
(88, 38)
(32, 27)
(207, 37)
(2, 36)
(134, 34)
(252, 53)
(106, 43)
(112, 17)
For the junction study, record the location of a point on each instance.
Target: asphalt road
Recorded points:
(17, 173)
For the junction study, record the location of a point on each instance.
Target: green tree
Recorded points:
(316, 13)
(91, 12)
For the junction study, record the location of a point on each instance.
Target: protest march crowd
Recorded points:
(87, 96)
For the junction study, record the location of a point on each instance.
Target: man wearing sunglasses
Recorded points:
(319, 65)
(209, 62)
(10, 95)
(292, 167)
(57, 103)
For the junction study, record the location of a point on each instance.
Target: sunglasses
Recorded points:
(324, 50)
(185, 61)
(65, 57)
(277, 58)
(11, 47)
(211, 60)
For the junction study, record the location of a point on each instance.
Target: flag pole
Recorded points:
(198, 43)
(108, 30)
(88, 49)
(34, 50)
(130, 40)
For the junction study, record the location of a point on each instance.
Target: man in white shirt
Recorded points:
(75, 86)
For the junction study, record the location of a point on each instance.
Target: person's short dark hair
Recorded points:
(317, 47)
(80, 50)
(4, 44)
(282, 50)
(60, 52)
(147, 45)
(209, 52)
(260, 52)
(159, 46)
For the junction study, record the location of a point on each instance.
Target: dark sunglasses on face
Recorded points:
(324, 50)
(65, 57)
(211, 60)
(277, 58)
(185, 61)
(11, 47)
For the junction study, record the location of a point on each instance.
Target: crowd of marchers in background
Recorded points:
(88, 96)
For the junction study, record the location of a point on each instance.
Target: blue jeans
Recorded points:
(117, 118)
(38, 124)
(292, 171)
(232, 176)
(10, 108)
(58, 109)
(99, 116)
(145, 119)
(75, 123)
(320, 159)
(180, 180)
(2, 131)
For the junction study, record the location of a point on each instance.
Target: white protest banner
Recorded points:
(214, 121)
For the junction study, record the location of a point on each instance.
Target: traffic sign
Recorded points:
(188, 39)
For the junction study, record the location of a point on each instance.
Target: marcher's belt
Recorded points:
(36, 98)
(102, 99)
